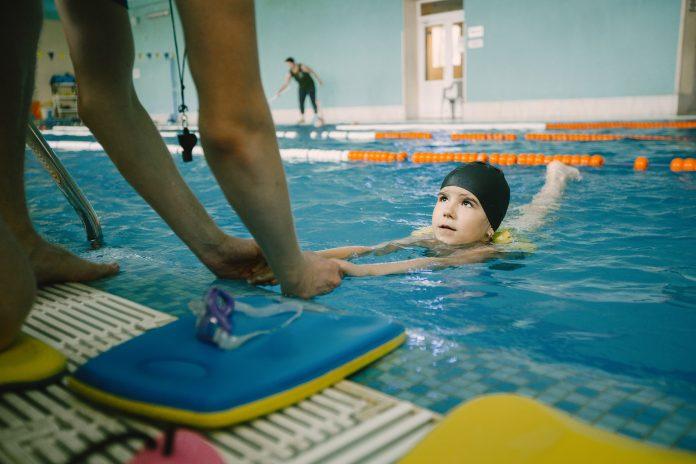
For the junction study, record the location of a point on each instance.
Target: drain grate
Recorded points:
(343, 424)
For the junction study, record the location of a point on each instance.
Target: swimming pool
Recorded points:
(599, 321)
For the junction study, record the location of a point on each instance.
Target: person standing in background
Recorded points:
(303, 75)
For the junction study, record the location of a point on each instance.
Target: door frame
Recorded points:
(421, 22)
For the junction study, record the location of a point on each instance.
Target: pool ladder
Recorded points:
(47, 157)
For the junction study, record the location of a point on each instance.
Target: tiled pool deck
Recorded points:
(456, 373)
(439, 375)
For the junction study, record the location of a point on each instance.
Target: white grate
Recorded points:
(343, 424)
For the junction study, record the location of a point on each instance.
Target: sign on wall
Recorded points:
(475, 35)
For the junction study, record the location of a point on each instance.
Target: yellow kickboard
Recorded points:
(28, 361)
(510, 429)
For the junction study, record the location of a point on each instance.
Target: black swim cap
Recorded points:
(487, 183)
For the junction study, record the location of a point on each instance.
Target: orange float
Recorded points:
(477, 136)
(596, 161)
(376, 156)
(676, 165)
(640, 163)
(403, 135)
(502, 159)
(689, 164)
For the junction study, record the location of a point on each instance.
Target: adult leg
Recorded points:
(318, 121)
(17, 286)
(303, 98)
(102, 51)
(239, 140)
(313, 99)
(19, 31)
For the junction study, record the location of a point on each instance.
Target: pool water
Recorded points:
(599, 321)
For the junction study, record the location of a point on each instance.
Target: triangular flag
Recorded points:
(149, 55)
(50, 55)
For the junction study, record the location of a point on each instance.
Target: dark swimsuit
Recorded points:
(306, 87)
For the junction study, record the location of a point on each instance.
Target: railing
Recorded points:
(44, 153)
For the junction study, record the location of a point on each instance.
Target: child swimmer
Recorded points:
(470, 208)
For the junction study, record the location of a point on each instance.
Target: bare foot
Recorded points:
(234, 258)
(53, 264)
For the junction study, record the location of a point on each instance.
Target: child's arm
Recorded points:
(472, 255)
(395, 245)
(384, 248)
(534, 213)
(263, 274)
(345, 252)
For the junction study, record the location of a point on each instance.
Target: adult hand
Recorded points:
(318, 276)
(234, 258)
(262, 275)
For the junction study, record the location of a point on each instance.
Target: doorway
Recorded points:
(440, 58)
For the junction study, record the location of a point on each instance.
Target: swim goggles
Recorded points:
(214, 323)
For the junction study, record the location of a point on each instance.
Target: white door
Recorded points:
(440, 61)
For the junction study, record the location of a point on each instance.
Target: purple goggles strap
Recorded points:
(219, 306)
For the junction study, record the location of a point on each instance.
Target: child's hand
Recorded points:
(351, 269)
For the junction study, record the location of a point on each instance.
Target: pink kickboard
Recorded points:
(189, 447)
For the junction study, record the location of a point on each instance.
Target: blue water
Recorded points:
(610, 287)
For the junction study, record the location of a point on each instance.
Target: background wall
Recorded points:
(155, 69)
(355, 46)
(52, 58)
(541, 58)
(554, 49)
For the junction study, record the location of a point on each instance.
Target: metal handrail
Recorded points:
(47, 157)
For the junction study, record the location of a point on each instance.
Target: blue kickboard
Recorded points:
(169, 366)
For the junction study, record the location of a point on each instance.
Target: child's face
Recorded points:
(458, 217)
